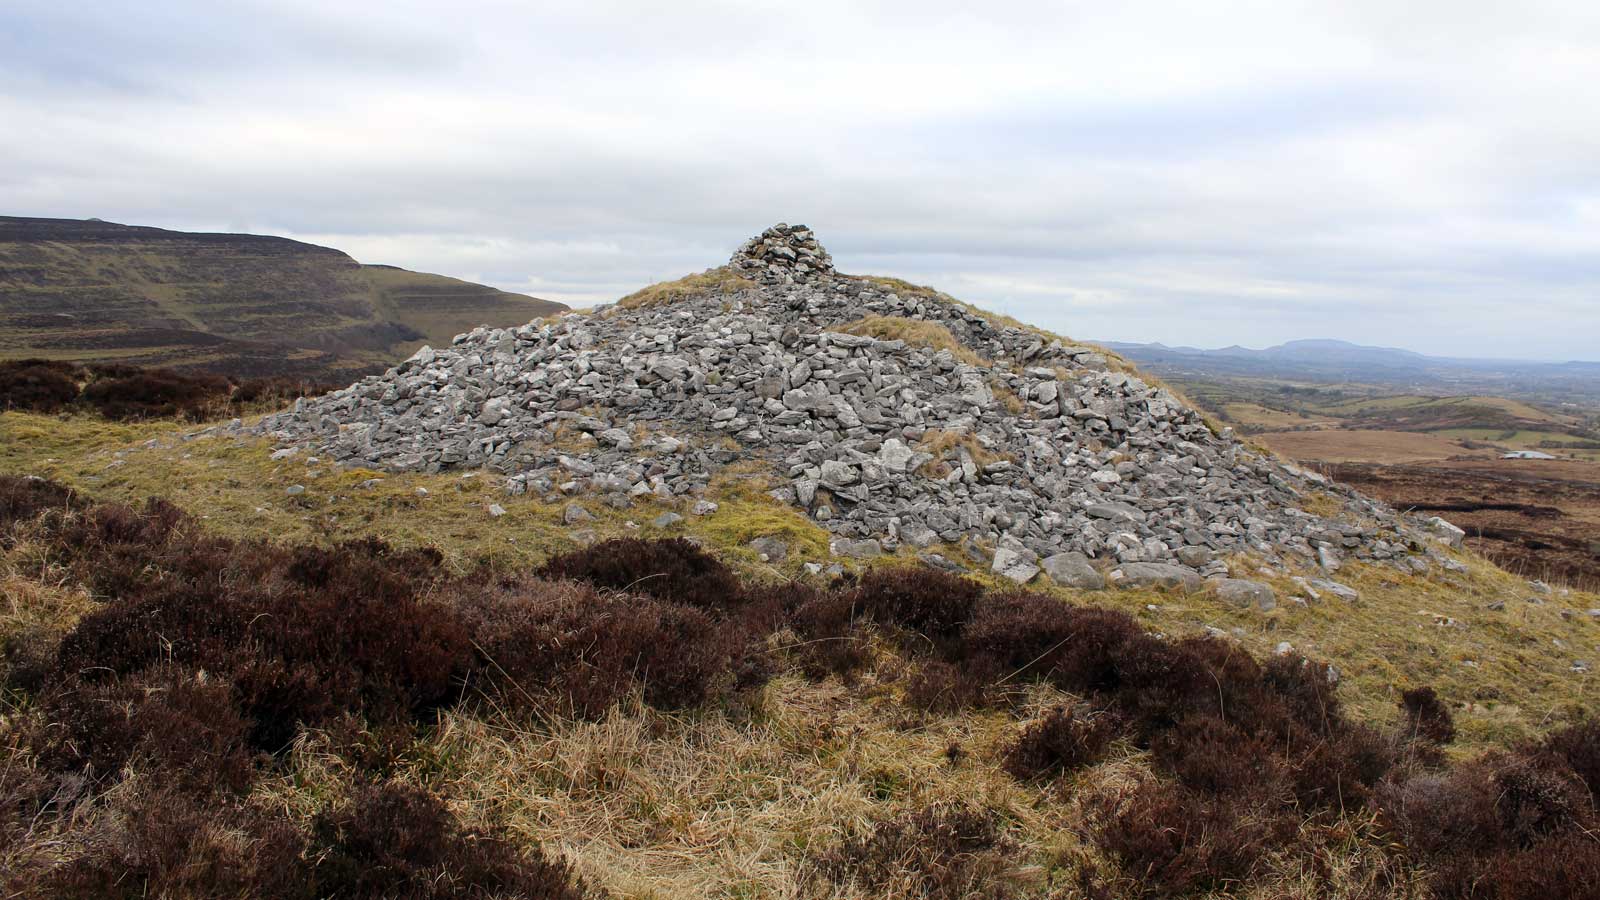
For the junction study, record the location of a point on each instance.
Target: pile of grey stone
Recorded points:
(1027, 454)
(783, 254)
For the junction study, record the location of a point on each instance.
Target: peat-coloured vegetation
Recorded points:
(125, 393)
(188, 714)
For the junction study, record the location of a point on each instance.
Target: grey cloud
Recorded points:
(1122, 172)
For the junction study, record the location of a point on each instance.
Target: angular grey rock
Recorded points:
(703, 508)
(1159, 575)
(1342, 591)
(1073, 570)
(863, 549)
(573, 514)
(616, 437)
(1444, 531)
(667, 520)
(770, 549)
(1018, 565)
(940, 561)
(839, 474)
(919, 536)
(1245, 593)
(1116, 512)
(895, 456)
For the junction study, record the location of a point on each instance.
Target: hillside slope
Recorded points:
(382, 651)
(240, 303)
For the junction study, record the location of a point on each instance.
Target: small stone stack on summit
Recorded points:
(783, 254)
(892, 415)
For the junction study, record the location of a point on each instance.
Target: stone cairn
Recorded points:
(1023, 453)
(783, 254)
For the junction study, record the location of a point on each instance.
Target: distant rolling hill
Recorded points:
(237, 303)
(1334, 362)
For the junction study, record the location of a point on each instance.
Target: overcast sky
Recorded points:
(1419, 174)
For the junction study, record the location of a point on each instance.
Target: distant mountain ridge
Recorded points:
(1335, 361)
(237, 303)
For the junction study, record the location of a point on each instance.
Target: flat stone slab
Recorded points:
(1074, 571)
(1245, 593)
(1160, 575)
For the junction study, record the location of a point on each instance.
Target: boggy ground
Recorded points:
(1539, 518)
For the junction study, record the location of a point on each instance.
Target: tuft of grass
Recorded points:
(916, 332)
(943, 445)
(746, 512)
(721, 280)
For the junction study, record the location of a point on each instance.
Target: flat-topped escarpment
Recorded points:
(236, 303)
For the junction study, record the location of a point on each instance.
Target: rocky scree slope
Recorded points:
(1026, 451)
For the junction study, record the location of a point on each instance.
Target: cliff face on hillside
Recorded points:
(240, 303)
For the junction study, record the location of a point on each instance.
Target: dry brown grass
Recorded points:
(916, 332)
(944, 445)
(721, 280)
(668, 807)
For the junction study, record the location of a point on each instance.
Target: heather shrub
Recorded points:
(299, 644)
(1099, 646)
(1513, 826)
(582, 650)
(155, 393)
(1170, 840)
(148, 841)
(397, 841)
(23, 499)
(1565, 867)
(1209, 755)
(1060, 741)
(273, 392)
(918, 599)
(1017, 632)
(1426, 716)
(944, 851)
(1539, 797)
(941, 687)
(181, 724)
(671, 569)
(37, 385)
(1578, 745)
(831, 641)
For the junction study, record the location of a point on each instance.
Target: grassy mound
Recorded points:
(721, 280)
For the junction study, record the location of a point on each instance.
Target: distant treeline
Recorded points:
(124, 392)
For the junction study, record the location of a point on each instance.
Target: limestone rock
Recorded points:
(1444, 531)
(1017, 564)
(866, 549)
(770, 549)
(1073, 570)
(1160, 575)
(1245, 593)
